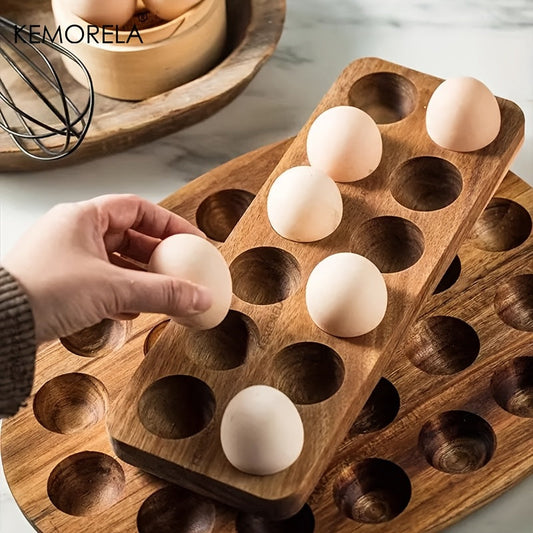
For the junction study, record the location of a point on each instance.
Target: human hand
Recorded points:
(72, 265)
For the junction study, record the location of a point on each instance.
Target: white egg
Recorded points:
(169, 9)
(304, 204)
(103, 12)
(346, 295)
(463, 115)
(192, 258)
(345, 143)
(261, 431)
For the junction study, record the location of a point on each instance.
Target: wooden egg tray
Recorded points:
(167, 419)
(65, 476)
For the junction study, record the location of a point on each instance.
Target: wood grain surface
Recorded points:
(254, 28)
(71, 410)
(411, 244)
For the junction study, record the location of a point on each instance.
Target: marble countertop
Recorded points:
(489, 39)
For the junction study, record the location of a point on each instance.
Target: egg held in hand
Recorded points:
(169, 9)
(304, 204)
(103, 12)
(192, 258)
(261, 431)
(346, 295)
(345, 143)
(463, 115)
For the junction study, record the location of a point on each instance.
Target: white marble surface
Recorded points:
(489, 39)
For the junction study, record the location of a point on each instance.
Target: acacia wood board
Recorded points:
(387, 429)
(254, 29)
(411, 239)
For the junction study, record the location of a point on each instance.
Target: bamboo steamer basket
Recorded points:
(171, 54)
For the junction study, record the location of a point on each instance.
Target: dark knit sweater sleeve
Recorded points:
(17, 345)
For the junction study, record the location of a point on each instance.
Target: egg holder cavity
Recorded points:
(69, 479)
(167, 420)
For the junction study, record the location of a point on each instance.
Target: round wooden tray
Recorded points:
(254, 29)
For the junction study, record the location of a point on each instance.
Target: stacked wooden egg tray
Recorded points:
(167, 420)
(447, 428)
(450, 425)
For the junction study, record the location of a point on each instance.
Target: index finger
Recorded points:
(120, 212)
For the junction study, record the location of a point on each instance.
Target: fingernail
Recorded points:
(202, 300)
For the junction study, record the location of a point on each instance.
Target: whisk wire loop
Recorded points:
(33, 135)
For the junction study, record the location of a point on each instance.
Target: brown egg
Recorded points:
(103, 12)
(346, 295)
(345, 143)
(189, 257)
(261, 431)
(169, 9)
(463, 115)
(304, 204)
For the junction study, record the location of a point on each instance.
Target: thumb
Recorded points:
(147, 292)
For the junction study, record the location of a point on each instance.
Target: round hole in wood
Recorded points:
(514, 302)
(379, 410)
(502, 226)
(457, 442)
(97, 341)
(225, 346)
(301, 522)
(373, 491)
(393, 244)
(265, 275)
(426, 183)
(219, 213)
(86, 483)
(442, 345)
(70, 403)
(176, 407)
(512, 387)
(308, 372)
(173, 509)
(154, 334)
(386, 96)
(450, 276)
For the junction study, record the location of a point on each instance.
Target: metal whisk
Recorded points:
(37, 136)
